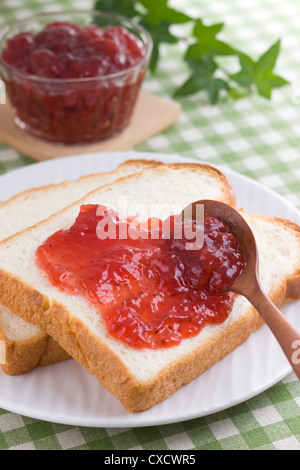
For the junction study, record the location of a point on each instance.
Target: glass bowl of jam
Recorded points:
(73, 77)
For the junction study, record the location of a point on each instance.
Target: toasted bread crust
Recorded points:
(28, 192)
(102, 362)
(292, 288)
(42, 350)
(85, 347)
(22, 356)
(227, 189)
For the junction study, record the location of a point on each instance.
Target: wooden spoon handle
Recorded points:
(286, 335)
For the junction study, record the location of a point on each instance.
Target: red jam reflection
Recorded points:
(152, 293)
(73, 112)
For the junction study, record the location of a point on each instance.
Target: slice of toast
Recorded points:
(140, 378)
(23, 346)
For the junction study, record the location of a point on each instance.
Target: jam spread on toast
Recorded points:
(151, 291)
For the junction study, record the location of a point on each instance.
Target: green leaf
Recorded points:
(260, 73)
(159, 11)
(207, 42)
(267, 61)
(159, 34)
(203, 47)
(266, 83)
(276, 81)
(265, 78)
(196, 83)
(192, 85)
(213, 47)
(264, 89)
(175, 16)
(154, 57)
(202, 78)
(120, 7)
(214, 87)
(246, 76)
(206, 33)
(236, 93)
(205, 66)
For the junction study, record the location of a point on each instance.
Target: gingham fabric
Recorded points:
(255, 137)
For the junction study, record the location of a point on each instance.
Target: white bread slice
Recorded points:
(30, 207)
(141, 378)
(23, 345)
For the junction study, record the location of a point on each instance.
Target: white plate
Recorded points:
(67, 393)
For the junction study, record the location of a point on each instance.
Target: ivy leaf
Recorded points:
(207, 43)
(206, 33)
(123, 7)
(196, 83)
(267, 82)
(202, 71)
(260, 74)
(214, 47)
(267, 61)
(158, 12)
(157, 20)
(203, 48)
(236, 94)
(192, 85)
(159, 33)
(202, 78)
(265, 78)
(246, 76)
(205, 66)
(214, 87)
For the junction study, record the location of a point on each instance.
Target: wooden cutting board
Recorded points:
(152, 115)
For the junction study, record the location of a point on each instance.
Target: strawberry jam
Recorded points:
(74, 84)
(150, 290)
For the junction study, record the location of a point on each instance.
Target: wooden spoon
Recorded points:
(248, 284)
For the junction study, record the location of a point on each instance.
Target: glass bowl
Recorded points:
(74, 110)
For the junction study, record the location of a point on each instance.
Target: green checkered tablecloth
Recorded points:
(255, 137)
